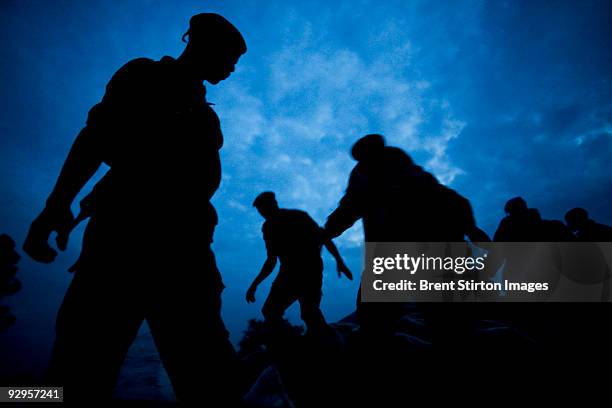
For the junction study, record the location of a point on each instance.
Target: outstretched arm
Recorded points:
(82, 162)
(266, 270)
(341, 266)
(350, 209)
(342, 218)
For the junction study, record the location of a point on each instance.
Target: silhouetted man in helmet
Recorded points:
(146, 251)
(296, 239)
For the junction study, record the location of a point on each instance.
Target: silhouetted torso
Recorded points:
(296, 239)
(401, 202)
(398, 201)
(161, 139)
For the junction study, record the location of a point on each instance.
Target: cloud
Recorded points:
(294, 136)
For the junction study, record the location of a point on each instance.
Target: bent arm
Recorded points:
(266, 270)
(82, 162)
(343, 217)
(351, 206)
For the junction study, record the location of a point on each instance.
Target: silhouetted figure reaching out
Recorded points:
(295, 239)
(146, 250)
(398, 201)
(586, 229)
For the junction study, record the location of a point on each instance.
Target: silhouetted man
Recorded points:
(296, 239)
(586, 229)
(146, 251)
(398, 202)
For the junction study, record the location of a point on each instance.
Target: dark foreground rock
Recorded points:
(348, 367)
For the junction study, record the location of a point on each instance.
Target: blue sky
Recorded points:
(496, 98)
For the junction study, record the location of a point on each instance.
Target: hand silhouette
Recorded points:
(36, 243)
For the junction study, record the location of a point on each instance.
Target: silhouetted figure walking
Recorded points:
(295, 239)
(586, 229)
(146, 251)
(398, 201)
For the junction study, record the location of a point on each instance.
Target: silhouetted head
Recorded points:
(576, 218)
(367, 147)
(516, 206)
(266, 204)
(213, 48)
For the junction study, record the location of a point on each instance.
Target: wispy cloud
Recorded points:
(295, 136)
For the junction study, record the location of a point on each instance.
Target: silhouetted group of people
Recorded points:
(146, 250)
(524, 224)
